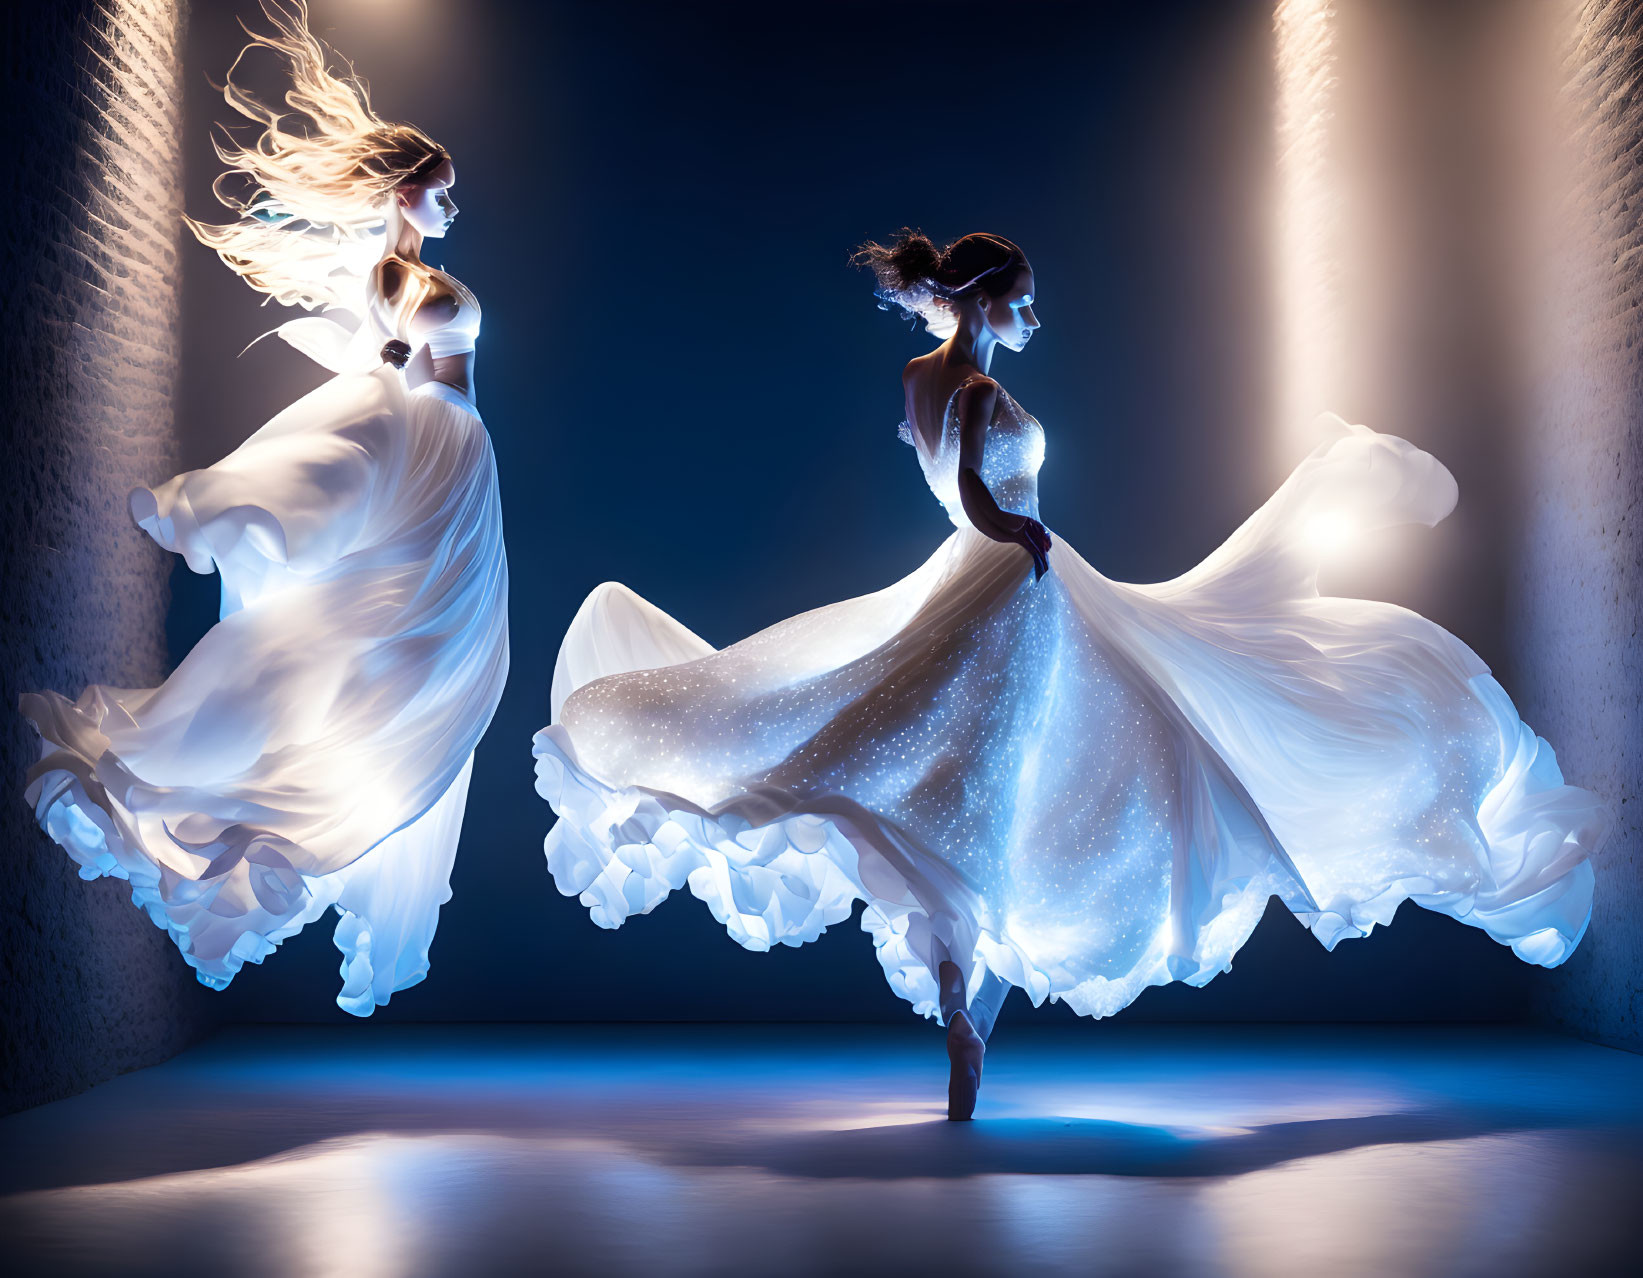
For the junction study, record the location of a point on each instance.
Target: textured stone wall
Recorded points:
(88, 986)
(1578, 587)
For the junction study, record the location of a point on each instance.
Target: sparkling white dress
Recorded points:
(314, 749)
(1083, 786)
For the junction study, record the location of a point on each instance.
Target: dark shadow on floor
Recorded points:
(1086, 1147)
(1418, 1151)
(934, 1149)
(831, 1103)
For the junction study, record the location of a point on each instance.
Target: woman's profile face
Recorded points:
(1010, 314)
(426, 203)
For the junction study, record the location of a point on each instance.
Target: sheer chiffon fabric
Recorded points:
(314, 749)
(1084, 787)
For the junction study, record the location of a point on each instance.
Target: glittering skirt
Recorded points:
(313, 750)
(1083, 786)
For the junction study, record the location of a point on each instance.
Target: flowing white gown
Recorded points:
(314, 749)
(1083, 786)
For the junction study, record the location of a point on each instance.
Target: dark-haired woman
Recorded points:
(1037, 777)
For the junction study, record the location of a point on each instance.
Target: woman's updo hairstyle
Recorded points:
(923, 281)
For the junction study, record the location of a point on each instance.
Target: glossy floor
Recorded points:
(375, 1150)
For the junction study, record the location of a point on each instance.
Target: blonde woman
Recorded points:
(314, 749)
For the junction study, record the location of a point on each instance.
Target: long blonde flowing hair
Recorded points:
(312, 202)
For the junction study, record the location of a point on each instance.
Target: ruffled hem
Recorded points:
(773, 874)
(234, 900)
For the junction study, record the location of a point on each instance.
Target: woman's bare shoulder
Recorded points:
(942, 378)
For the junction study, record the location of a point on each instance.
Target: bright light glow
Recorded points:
(870, 1117)
(1309, 343)
(1332, 532)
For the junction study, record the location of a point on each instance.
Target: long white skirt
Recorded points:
(314, 748)
(1083, 786)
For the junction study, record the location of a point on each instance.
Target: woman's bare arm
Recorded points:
(976, 405)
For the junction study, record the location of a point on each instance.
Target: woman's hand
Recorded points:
(977, 403)
(1036, 539)
(991, 520)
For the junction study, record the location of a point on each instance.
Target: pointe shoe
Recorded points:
(965, 1050)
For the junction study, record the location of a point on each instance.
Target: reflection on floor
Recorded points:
(377, 1150)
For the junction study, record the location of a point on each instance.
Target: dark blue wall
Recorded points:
(690, 391)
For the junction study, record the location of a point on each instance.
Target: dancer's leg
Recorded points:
(965, 1047)
(985, 1005)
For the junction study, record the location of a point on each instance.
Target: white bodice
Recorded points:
(456, 334)
(460, 333)
(1009, 463)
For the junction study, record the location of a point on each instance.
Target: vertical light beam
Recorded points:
(1310, 345)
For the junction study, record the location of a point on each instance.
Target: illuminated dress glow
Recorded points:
(1082, 786)
(313, 751)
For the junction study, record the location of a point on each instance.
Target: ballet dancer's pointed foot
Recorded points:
(965, 1050)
